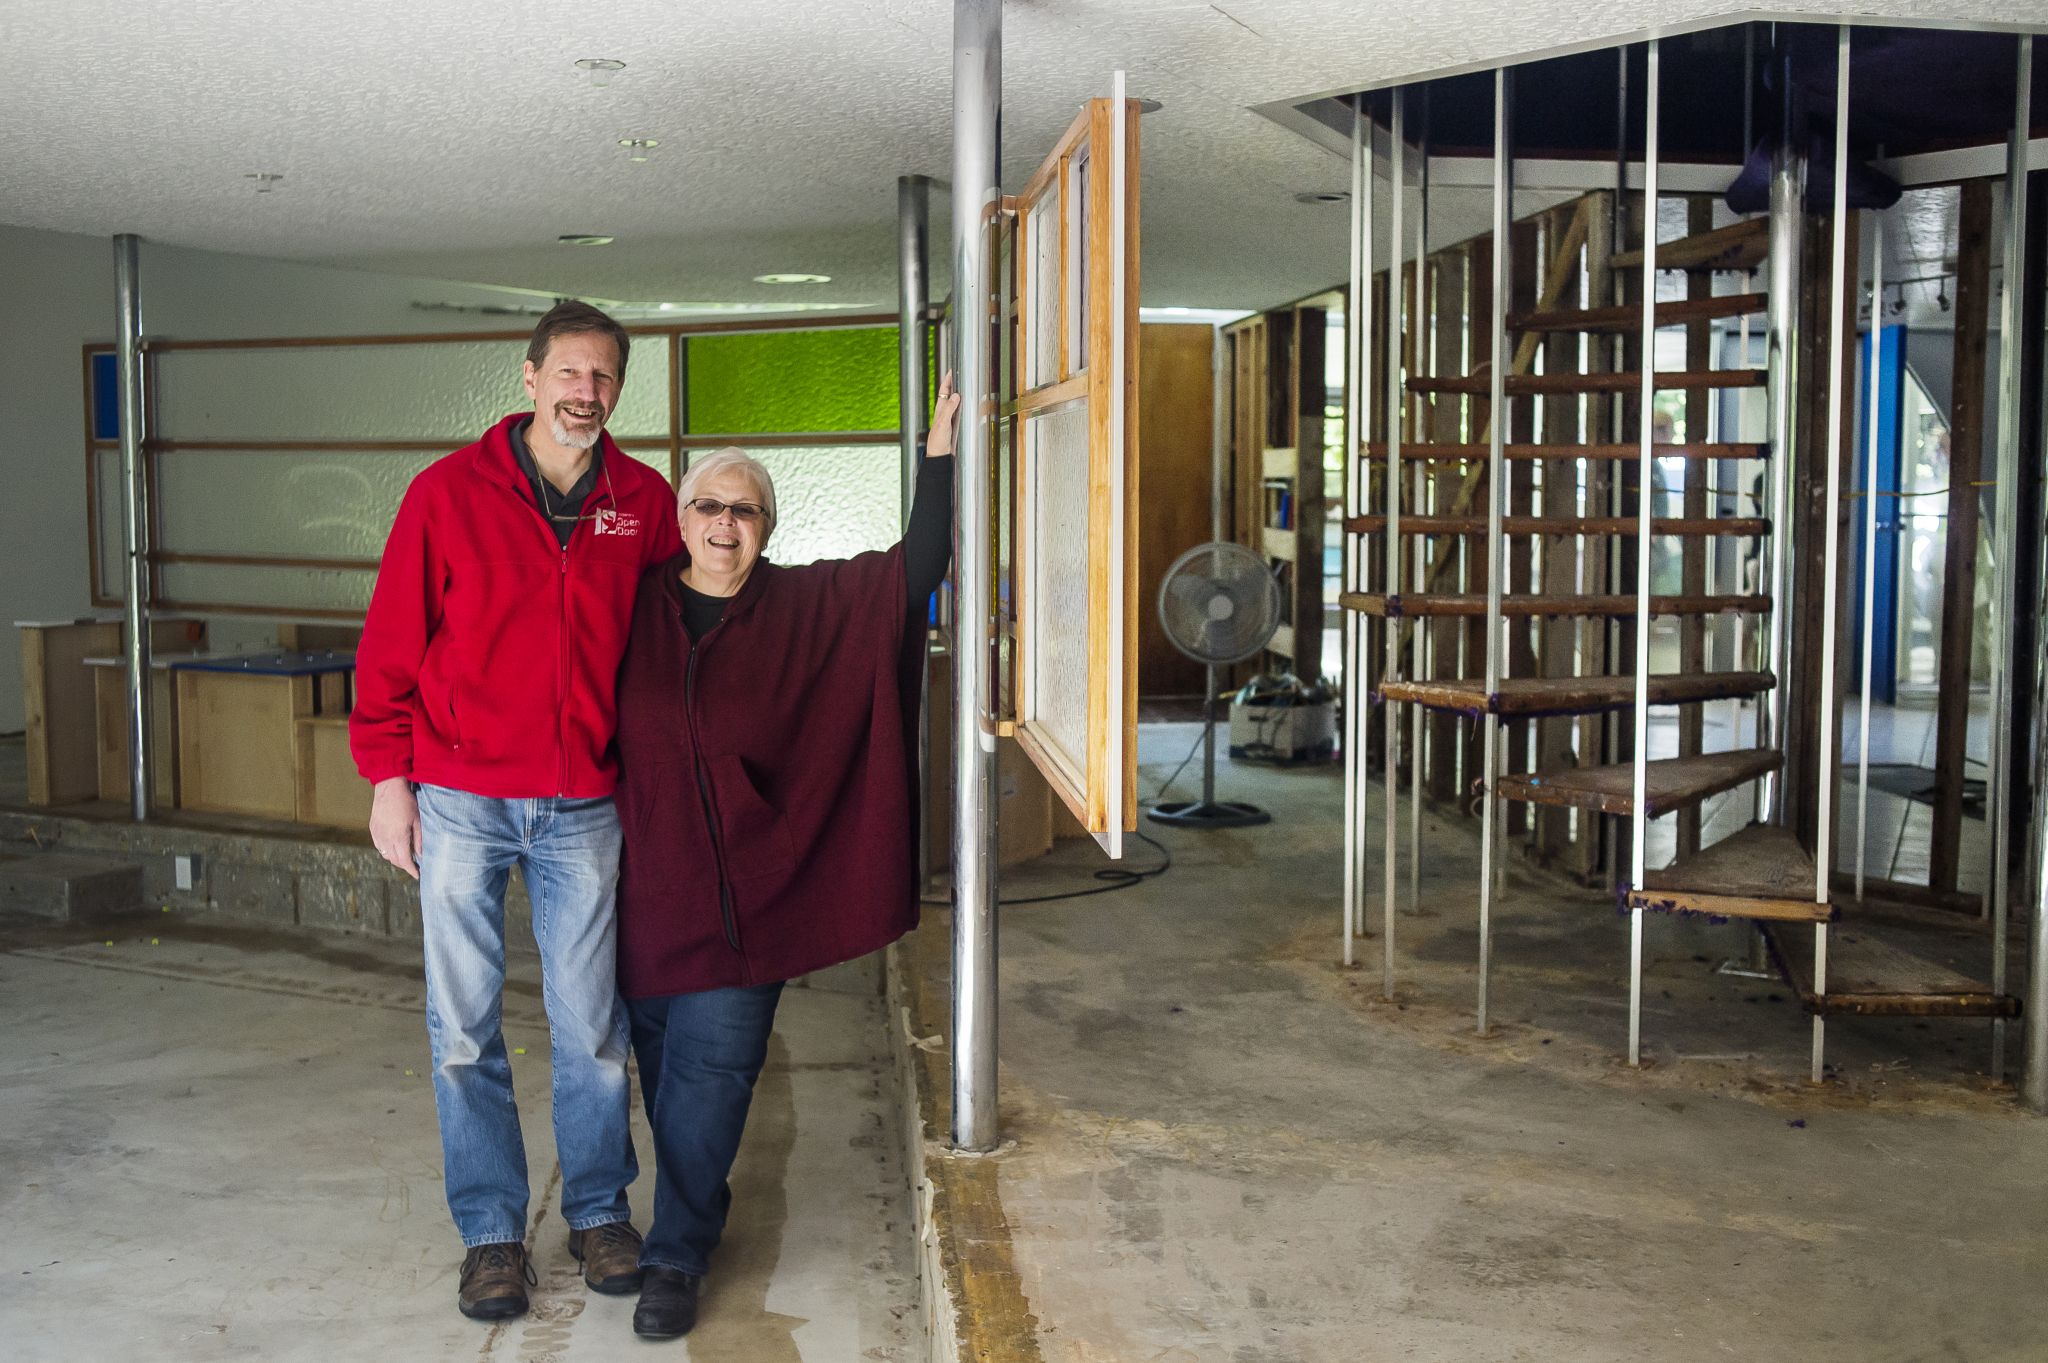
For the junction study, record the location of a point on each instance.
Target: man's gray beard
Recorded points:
(575, 440)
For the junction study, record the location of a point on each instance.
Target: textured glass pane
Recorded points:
(301, 505)
(1042, 320)
(1006, 329)
(279, 589)
(1059, 602)
(106, 516)
(442, 392)
(788, 382)
(654, 459)
(835, 501)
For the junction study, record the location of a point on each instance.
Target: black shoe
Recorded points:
(610, 1255)
(668, 1304)
(494, 1279)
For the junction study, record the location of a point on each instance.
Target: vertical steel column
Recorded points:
(1997, 801)
(1788, 208)
(1496, 542)
(1646, 462)
(135, 520)
(1424, 638)
(1838, 343)
(913, 286)
(1870, 500)
(977, 109)
(1356, 312)
(913, 289)
(1397, 169)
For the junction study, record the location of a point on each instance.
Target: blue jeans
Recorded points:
(568, 850)
(699, 1057)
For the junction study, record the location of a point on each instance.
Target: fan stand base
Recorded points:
(1208, 814)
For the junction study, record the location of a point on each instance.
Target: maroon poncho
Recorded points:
(767, 783)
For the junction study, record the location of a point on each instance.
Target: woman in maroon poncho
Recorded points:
(768, 796)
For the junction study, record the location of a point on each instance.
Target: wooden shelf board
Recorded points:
(1760, 872)
(1869, 976)
(1564, 525)
(1618, 381)
(1672, 782)
(1522, 607)
(1538, 696)
(1738, 246)
(1459, 453)
(1626, 318)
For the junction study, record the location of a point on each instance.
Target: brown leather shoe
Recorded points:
(494, 1281)
(610, 1255)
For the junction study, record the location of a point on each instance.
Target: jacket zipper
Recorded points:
(562, 635)
(704, 793)
(562, 672)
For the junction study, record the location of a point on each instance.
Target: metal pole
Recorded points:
(913, 289)
(1391, 671)
(1646, 461)
(135, 512)
(1826, 752)
(1425, 638)
(1997, 801)
(1788, 190)
(1354, 503)
(1870, 498)
(977, 106)
(913, 285)
(1496, 541)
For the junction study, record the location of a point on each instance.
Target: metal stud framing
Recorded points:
(1496, 542)
(1997, 804)
(1397, 169)
(1646, 465)
(1838, 345)
(1357, 477)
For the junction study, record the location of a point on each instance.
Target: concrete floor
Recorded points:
(1229, 1148)
(218, 1142)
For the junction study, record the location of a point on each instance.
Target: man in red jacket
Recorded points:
(484, 717)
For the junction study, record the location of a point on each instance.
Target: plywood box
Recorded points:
(60, 705)
(238, 741)
(110, 697)
(331, 792)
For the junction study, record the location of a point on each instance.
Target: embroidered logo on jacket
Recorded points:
(611, 522)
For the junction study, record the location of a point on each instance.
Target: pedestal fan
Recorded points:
(1219, 603)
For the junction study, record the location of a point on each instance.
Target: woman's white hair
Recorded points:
(716, 462)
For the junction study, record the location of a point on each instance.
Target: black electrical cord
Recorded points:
(1181, 768)
(1115, 878)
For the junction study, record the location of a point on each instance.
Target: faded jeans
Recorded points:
(699, 1057)
(568, 851)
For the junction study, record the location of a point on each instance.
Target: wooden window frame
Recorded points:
(1096, 300)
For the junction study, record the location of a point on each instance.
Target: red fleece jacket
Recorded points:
(490, 655)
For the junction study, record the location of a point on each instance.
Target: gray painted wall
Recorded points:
(57, 292)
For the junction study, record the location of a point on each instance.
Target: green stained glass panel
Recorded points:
(787, 382)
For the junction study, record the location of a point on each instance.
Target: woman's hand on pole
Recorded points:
(945, 416)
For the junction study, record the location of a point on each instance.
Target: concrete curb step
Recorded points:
(68, 889)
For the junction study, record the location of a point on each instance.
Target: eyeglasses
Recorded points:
(741, 511)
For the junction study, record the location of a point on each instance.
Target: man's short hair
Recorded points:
(570, 318)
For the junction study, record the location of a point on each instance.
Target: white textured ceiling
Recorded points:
(453, 139)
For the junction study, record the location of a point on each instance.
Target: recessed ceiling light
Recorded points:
(1323, 196)
(1148, 106)
(600, 69)
(792, 279)
(264, 179)
(584, 239)
(638, 149)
